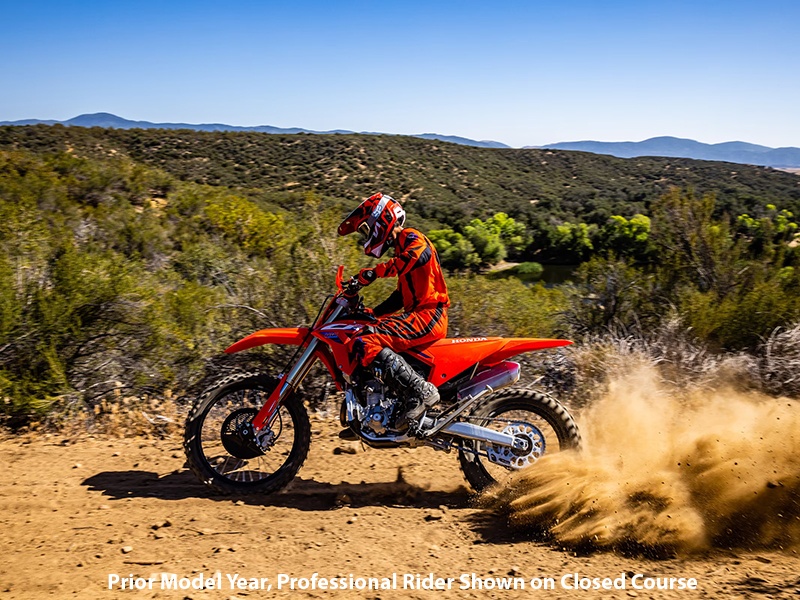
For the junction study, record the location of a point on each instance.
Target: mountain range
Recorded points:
(736, 152)
(115, 122)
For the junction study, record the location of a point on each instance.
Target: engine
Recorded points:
(379, 408)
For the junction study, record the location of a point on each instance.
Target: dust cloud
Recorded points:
(668, 471)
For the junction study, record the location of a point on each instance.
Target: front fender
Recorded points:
(292, 336)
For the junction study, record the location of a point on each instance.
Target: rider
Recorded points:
(421, 294)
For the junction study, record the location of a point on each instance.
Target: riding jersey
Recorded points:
(420, 281)
(421, 293)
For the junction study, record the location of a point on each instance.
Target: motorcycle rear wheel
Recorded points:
(223, 461)
(546, 414)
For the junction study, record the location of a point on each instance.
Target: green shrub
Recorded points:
(481, 306)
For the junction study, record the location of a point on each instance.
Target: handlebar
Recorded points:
(353, 286)
(348, 294)
(352, 300)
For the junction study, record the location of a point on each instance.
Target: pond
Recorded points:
(553, 275)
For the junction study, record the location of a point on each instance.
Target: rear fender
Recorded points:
(450, 357)
(515, 346)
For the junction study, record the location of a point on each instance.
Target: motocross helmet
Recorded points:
(374, 219)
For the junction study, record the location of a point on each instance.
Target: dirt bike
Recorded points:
(250, 433)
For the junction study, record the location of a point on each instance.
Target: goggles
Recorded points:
(364, 231)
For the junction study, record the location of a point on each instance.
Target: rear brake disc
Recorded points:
(531, 450)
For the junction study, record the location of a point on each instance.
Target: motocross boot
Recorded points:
(417, 393)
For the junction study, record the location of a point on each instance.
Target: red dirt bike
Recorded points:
(250, 433)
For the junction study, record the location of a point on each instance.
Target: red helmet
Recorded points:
(375, 218)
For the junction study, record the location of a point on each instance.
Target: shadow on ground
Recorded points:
(494, 528)
(302, 494)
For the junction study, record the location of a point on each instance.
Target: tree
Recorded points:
(254, 230)
(768, 234)
(512, 234)
(572, 242)
(456, 253)
(693, 246)
(487, 242)
(626, 237)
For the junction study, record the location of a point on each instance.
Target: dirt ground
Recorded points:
(76, 512)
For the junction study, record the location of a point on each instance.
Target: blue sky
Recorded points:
(520, 72)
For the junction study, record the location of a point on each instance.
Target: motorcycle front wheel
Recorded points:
(541, 419)
(221, 457)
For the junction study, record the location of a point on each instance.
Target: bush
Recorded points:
(481, 306)
(456, 253)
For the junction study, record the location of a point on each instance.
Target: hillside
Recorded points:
(128, 258)
(441, 182)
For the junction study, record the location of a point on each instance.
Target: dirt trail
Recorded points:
(72, 512)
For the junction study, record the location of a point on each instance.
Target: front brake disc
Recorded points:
(237, 434)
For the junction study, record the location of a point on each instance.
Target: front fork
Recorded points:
(291, 380)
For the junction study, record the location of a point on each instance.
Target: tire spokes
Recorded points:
(250, 469)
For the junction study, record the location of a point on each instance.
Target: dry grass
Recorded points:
(779, 362)
(684, 364)
(118, 416)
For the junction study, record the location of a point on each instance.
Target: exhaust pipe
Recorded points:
(485, 382)
(493, 379)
